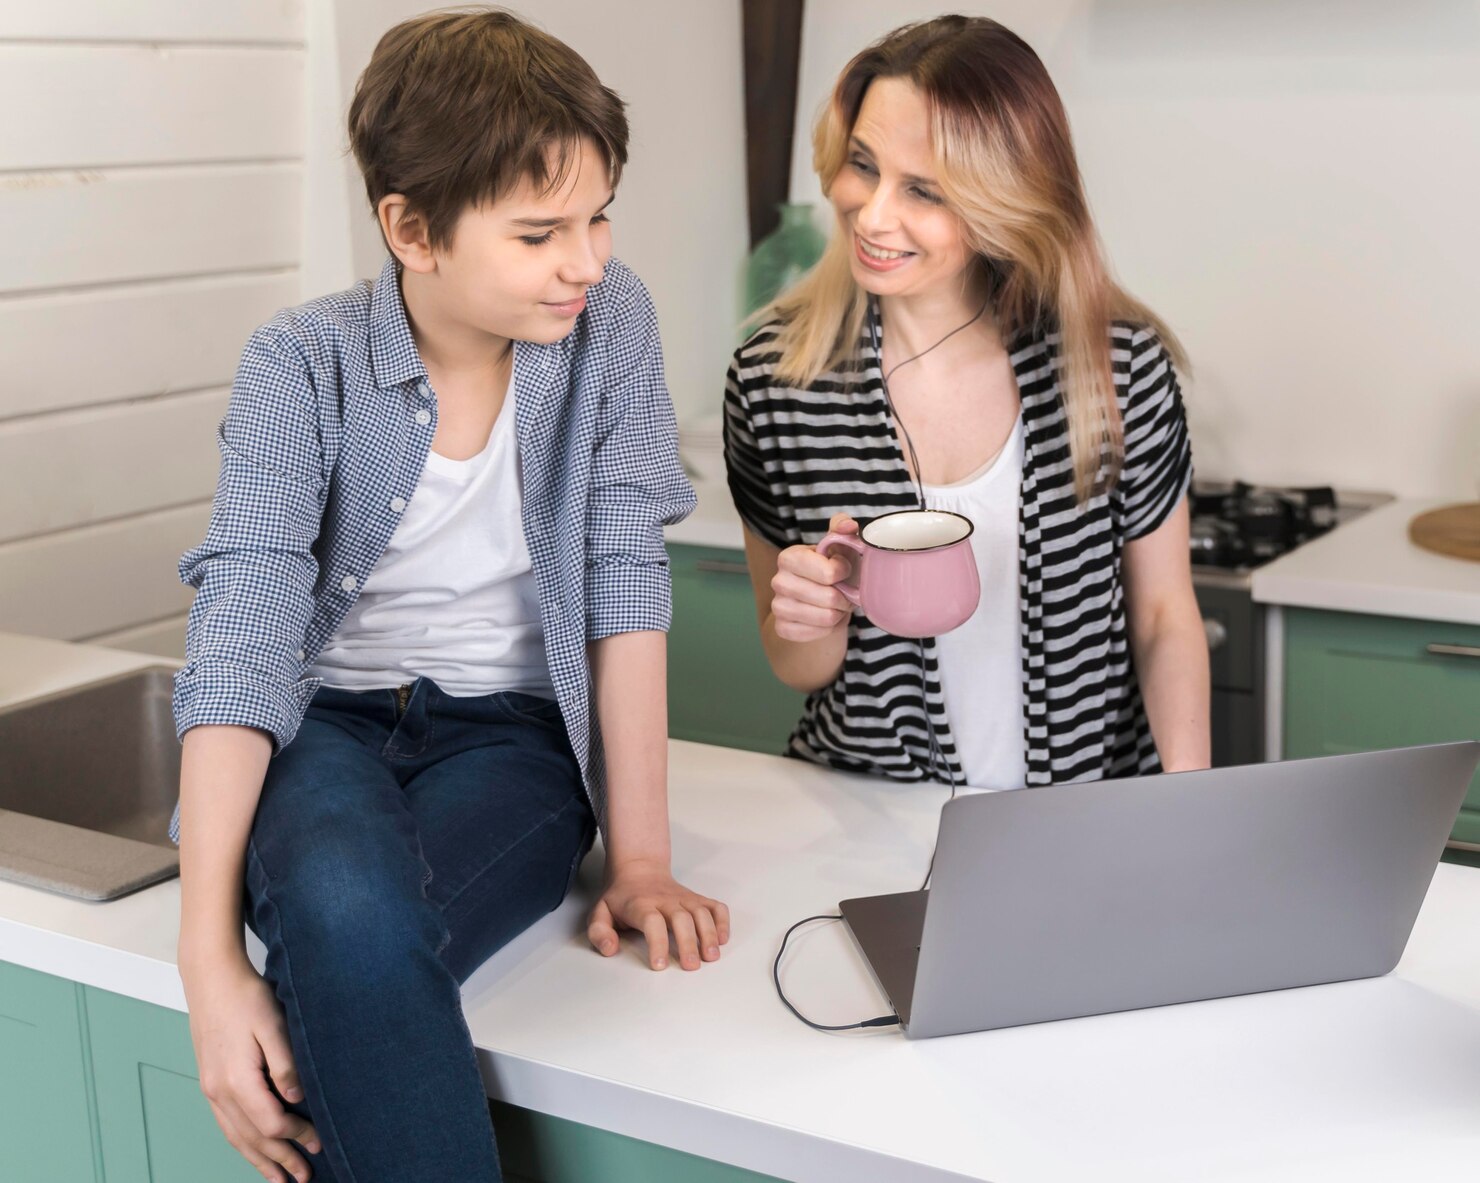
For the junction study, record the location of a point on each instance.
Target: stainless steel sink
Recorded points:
(88, 779)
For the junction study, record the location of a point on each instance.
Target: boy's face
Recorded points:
(519, 267)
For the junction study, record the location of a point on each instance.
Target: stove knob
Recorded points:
(1217, 635)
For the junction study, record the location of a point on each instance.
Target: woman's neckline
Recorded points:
(988, 467)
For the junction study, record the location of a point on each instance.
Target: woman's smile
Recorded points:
(879, 258)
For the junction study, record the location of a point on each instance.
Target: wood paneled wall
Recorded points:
(151, 177)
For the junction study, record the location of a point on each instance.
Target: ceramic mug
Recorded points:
(914, 574)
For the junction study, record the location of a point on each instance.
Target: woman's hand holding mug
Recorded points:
(805, 604)
(914, 573)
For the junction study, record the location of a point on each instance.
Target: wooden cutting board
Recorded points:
(1453, 530)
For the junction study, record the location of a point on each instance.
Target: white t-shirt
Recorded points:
(454, 596)
(981, 663)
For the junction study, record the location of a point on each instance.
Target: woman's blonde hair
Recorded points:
(1007, 169)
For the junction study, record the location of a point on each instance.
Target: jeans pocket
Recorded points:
(531, 708)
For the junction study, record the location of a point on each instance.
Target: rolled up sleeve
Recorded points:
(637, 482)
(1158, 448)
(255, 572)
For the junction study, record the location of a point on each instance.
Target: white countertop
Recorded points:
(1370, 1080)
(1368, 565)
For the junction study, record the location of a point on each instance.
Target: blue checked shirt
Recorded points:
(328, 428)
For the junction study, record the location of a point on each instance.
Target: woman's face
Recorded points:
(905, 241)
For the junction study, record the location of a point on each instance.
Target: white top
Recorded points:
(454, 597)
(1358, 1082)
(1369, 565)
(981, 663)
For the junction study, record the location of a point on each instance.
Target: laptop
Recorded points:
(1082, 899)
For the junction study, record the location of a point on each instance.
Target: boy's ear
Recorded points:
(405, 233)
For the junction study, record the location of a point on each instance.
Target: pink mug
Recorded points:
(915, 575)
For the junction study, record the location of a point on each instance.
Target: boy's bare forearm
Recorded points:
(629, 672)
(221, 774)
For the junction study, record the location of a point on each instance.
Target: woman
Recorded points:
(964, 301)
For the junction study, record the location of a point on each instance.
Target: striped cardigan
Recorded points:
(796, 456)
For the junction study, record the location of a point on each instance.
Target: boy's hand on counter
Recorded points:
(648, 899)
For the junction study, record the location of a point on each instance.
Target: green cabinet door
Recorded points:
(155, 1123)
(47, 1127)
(720, 686)
(1357, 683)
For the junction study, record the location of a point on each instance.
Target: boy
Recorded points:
(433, 581)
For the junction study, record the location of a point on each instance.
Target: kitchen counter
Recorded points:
(1368, 565)
(1369, 1080)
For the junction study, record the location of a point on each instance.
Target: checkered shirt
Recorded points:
(330, 421)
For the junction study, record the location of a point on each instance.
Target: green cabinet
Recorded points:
(47, 1123)
(534, 1148)
(155, 1124)
(99, 1088)
(720, 686)
(1357, 683)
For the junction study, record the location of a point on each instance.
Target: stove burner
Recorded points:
(1240, 526)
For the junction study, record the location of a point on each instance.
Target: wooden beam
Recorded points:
(773, 43)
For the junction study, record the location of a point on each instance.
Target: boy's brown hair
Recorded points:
(457, 107)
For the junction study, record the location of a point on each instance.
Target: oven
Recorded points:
(1235, 528)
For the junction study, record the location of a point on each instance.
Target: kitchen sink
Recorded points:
(88, 780)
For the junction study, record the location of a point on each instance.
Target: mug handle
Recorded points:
(849, 587)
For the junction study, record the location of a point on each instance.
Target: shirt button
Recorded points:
(423, 417)
(302, 655)
(349, 583)
(398, 503)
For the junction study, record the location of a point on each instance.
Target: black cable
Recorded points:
(873, 324)
(936, 754)
(881, 1021)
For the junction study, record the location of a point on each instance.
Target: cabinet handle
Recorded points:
(1456, 844)
(721, 567)
(1439, 650)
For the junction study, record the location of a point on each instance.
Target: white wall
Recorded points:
(1295, 186)
(679, 218)
(151, 191)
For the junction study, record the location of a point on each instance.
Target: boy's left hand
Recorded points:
(647, 898)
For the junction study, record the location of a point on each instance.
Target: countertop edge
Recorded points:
(78, 959)
(1369, 565)
(693, 1127)
(551, 1089)
(1338, 595)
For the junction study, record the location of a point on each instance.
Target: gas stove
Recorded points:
(1235, 528)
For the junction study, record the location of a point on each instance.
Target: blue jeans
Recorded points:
(392, 853)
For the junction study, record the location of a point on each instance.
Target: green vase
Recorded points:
(783, 255)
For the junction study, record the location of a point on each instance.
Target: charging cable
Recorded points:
(937, 756)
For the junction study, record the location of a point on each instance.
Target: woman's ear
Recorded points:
(405, 233)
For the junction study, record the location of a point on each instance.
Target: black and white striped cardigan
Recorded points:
(796, 457)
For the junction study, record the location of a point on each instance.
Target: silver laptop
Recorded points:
(1081, 899)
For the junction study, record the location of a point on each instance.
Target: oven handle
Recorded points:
(1440, 650)
(1216, 633)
